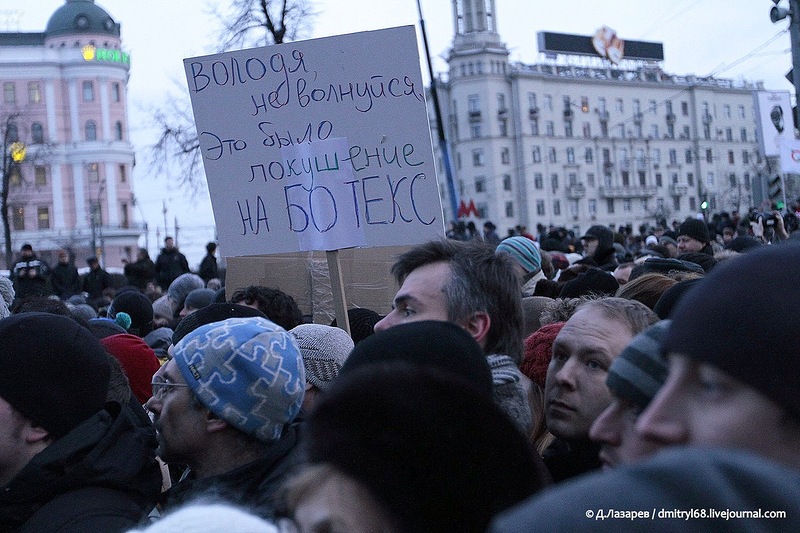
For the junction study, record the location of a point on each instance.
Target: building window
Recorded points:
(93, 172)
(91, 131)
(642, 178)
(659, 179)
(610, 206)
(88, 91)
(480, 184)
(688, 156)
(587, 130)
(556, 207)
(654, 131)
(741, 111)
(540, 208)
(729, 134)
(118, 130)
(124, 212)
(503, 127)
(726, 111)
(43, 217)
(585, 104)
(506, 182)
(571, 156)
(644, 205)
(573, 178)
(619, 106)
(12, 133)
(509, 209)
(592, 206)
(537, 154)
(674, 177)
(743, 134)
(601, 104)
(731, 159)
(710, 179)
(653, 107)
(538, 181)
(483, 210)
(676, 203)
(37, 133)
(673, 157)
(659, 203)
(475, 131)
(116, 92)
(505, 156)
(474, 105)
(34, 92)
(477, 158)
(590, 179)
(745, 157)
(656, 156)
(626, 178)
(9, 93)
(549, 128)
(574, 208)
(531, 101)
(554, 181)
(548, 102)
(552, 155)
(707, 132)
(732, 180)
(626, 205)
(39, 175)
(709, 156)
(122, 174)
(15, 176)
(589, 155)
(501, 103)
(621, 129)
(690, 178)
(692, 203)
(535, 126)
(568, 128)
(685, 109)
(18, 218)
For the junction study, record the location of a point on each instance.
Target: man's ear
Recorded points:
(213, 422)
(478, 326)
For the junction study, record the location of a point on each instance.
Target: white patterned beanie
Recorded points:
(247, 371)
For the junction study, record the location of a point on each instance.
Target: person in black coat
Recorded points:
(65, 279)
(140, 272)
(170, 264)
(208, 266)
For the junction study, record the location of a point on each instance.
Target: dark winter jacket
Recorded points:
(65, 280)
(208, 268)
(140, 273)
(30, 277)
(566, 460)
(253, 486)
(95, 282)
(101, 476)
(169, 265)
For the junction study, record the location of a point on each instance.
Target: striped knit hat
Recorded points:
(524, 252)
(639, 370)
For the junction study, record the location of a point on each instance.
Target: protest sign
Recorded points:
(317, 145)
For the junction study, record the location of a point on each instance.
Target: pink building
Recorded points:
(64, 95)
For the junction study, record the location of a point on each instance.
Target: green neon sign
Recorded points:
(107, 55)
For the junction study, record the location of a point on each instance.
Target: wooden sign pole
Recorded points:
(337, 289)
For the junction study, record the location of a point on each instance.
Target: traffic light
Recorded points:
(775, 190)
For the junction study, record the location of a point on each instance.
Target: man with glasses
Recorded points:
(224, 405)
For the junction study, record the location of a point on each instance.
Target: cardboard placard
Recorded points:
(317, 145)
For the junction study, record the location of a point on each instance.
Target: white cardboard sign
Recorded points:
(317, 145)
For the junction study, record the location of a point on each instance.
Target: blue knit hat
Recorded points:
(524, 252)
(247, 371)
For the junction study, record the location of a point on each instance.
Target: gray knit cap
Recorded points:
(180, 288)
(324, 350)
(640, 370)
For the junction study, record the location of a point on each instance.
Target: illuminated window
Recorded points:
(18, 218)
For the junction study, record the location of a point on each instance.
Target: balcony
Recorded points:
(474, 116)
(568, 114)
(678, 189)
(628, 192)
(576, 191)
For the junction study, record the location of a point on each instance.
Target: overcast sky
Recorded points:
(723, 37)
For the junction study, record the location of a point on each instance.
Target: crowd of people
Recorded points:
(538, 382)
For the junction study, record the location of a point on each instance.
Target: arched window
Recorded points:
(91, 131)
(119, 131)
(37, 133)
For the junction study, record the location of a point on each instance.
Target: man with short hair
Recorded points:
(575, 388)
(69, 461)
(170, 264)
(225, 405)
(279, 307)
(633, 379)
(65, 279)
(95, 281)
(467, 284)
(208, 266)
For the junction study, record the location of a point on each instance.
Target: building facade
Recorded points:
(576, 140)
(64, 99)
